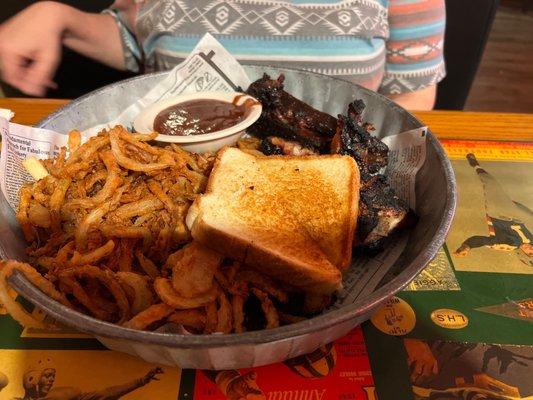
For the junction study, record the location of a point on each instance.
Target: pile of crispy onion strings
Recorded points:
(107, 233)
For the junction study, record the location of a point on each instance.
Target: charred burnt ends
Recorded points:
(299, 129)
(353, 138)
(288, 117)
(268, 148)
(380, 210)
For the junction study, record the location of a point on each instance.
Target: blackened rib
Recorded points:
(293, 122)
(353, 138)
(287, 117)
(380, 210)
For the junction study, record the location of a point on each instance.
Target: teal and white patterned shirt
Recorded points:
(390, 46)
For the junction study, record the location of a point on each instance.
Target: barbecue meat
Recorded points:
(352, 138)
(299, 129)
(272, 145)
(268, 148)
(290, 118)
(380, 210)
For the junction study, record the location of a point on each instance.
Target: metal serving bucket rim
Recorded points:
(100, 328)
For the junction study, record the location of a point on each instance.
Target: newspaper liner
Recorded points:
(211, 67)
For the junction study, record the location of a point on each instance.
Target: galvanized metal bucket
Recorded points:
(436, 199)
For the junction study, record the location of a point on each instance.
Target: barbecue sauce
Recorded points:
(198, 117)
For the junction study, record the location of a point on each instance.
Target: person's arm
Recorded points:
(422, 362)
(414, 63)
(474, 242)
(95, 36)
(30, 43)
(118, 391)
(420, 100)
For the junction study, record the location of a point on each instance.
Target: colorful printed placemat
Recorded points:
(463, 329)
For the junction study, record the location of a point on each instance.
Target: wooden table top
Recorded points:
(445, 124)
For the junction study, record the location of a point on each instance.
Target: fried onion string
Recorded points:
(107, 231)
(106, 278)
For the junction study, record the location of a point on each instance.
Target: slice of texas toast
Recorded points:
(292, 218)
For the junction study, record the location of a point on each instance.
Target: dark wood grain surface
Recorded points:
(504, 81)
(445, 124)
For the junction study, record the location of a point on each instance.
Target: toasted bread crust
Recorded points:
(325, 280)
(301, 262)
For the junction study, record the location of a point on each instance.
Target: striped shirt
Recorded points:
(390, 46)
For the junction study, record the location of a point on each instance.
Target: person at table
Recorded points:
(391, 46)
(507, 220)
(38, 383)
